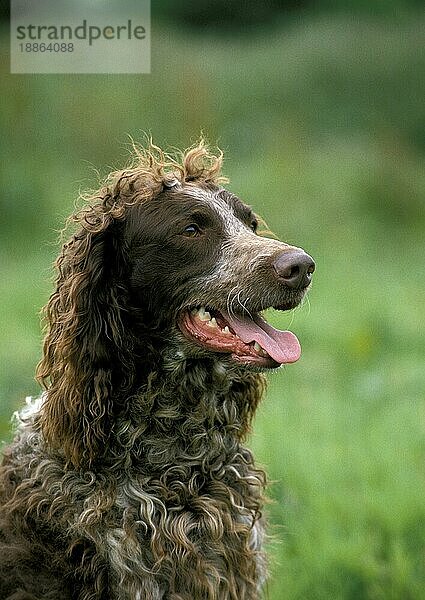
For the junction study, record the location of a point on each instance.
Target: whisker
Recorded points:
(242, 304)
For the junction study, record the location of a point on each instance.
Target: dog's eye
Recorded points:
(254, 225)
(192, 231)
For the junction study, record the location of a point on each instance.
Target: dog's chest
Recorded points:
(158, 547)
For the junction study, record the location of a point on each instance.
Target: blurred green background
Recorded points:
(320, 110)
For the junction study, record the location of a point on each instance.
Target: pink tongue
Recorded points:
(283, 346)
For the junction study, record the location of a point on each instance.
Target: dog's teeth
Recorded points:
(203, 314)
(212, 322)
(260, 350)
(226, 330)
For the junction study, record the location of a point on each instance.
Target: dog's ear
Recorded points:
(85, 355)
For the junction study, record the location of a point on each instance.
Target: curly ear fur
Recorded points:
(88, 350)
(84, 345)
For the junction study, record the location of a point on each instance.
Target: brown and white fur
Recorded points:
(128, 479)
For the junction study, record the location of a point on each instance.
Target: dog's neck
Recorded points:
(188, 416)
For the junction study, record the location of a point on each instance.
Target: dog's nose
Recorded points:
(294, 268)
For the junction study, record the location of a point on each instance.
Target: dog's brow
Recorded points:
(241, 210)
(232, 222)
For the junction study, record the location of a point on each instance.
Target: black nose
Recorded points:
(294, 268)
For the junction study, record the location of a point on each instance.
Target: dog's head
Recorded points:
(163, 257)
(199, 266)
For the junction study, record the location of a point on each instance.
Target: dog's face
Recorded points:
(203, 272)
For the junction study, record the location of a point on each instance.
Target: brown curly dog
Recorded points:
(128, 479)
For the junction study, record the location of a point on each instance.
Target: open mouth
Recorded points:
(248, 338)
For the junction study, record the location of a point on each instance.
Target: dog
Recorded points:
(128, 478)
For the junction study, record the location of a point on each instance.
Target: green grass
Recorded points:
(322, 124)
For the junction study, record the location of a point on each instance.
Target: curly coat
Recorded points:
(128, 478)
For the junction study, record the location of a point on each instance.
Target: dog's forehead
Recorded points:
(232, 211)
